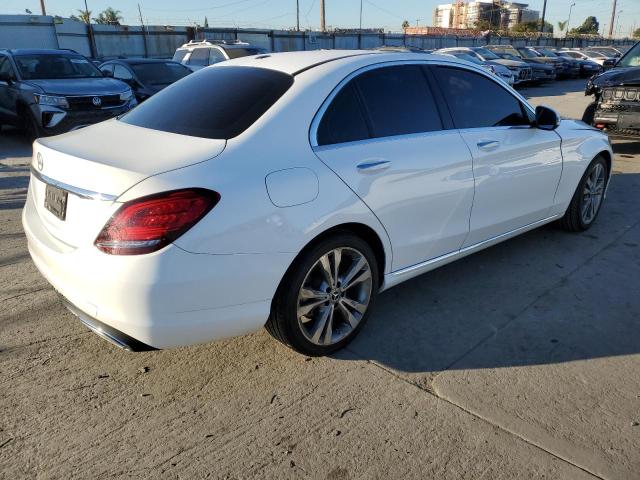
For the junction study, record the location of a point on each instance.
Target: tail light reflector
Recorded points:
(150, 223)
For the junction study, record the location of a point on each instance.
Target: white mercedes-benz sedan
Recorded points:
(287, 190)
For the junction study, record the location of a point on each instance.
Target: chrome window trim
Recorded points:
(313, 130)
(77, 191)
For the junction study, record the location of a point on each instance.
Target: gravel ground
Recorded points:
(520, 361)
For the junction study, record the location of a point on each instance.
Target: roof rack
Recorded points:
(216, 42)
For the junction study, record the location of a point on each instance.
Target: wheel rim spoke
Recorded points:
(357, 306)
(322, 322)
(329, 330)
(355, 268)
(337, 258)
(304, 310)
(325, 267)
(364, 275)
(312, 294)
(349, 317)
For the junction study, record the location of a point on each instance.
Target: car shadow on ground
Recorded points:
(14, 144)
(544, 297)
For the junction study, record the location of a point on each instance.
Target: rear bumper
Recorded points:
(164, 299)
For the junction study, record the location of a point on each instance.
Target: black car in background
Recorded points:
(145, 76)
(616, 109)
(48, 92)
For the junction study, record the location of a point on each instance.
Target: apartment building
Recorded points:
(497, 13)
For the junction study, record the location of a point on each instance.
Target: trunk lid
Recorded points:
(97, 164)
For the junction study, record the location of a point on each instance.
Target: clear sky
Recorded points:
(387, 14)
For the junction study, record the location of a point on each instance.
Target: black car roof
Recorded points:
(135, 61)
(38, 51)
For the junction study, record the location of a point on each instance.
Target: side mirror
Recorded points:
(107, 73)
(547, 118)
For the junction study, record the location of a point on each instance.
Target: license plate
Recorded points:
(626, 120)
(55, 200)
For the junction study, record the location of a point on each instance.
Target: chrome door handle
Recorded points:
(370, 166)
(488, 144)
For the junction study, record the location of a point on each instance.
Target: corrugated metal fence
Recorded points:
(109, 41)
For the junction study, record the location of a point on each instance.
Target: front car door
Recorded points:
(8, 93)
(383, 134)
(517, 167)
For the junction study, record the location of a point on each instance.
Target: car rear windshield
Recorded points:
(164, 73)
(179, 55)
(218, 102)
(487, 54)
(54, 66)
(242, 52)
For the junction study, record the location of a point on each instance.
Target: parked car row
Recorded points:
(47, 92)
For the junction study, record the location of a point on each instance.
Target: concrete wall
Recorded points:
(110, 41)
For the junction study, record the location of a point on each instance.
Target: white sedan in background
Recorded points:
(288, 190)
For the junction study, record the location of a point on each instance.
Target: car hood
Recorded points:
(79, 86)
(498, 67)
(510, 63)
(618, 76)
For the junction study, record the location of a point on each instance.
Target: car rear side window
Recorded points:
(199, 57)
(344, 120)
(219, 102)
(398, 101)
(382, 102)
(477, 102)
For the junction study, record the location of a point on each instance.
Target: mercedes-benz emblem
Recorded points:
(40, 161)
(96, 101)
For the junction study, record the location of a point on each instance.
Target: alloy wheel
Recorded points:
(334, 296)
(592, 193)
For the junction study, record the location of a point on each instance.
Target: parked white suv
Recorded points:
(200, 54)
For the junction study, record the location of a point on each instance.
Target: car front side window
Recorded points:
(475, 101)
(199, 57)
(122, 73)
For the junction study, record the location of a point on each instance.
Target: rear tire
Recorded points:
(326, 296)
(588, 197)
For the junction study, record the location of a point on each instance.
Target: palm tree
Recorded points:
(405, 24)
(109, 17)
(83, 16)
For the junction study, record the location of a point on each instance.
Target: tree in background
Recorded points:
(530, 27)
(589, 26)
(109, 17)
(83, 16)
(206, 22)
(405, 24)
(636, 33)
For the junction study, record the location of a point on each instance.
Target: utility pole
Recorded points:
(44, 10)
(144, 34)
(298, 15)
(566, 32)
(613, 19)
(360, 15)
(544, 14)
(92, 43)
(323, 25)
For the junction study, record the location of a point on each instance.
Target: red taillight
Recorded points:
(150, 223)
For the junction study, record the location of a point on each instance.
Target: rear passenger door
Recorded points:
(383, 134)
(516, 166)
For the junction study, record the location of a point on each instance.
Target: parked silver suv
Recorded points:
(200, 54)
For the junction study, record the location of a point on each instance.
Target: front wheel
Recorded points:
(587, 199)
(325, 298)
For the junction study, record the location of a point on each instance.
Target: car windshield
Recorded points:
(486, 54)
(508, 56)
(218, 102)
(526, 53)
(547, 53)
(631, 58)
(53, 66)
(592, 54)
(243, 52)
(179, 55)
(163, 73)
(467, 57)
